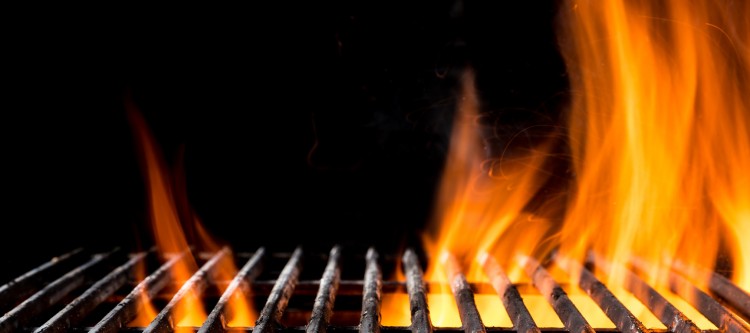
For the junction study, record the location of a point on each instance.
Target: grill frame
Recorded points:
(371, 288)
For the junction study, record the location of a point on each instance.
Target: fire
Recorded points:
(146, 313)
(659, 134)
(659, 125)
(170, 239)
(488, 204)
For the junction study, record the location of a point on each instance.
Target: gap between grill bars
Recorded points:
(83, 292)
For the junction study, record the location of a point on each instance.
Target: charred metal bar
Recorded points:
(217, 321)
(667, 313)
(49, 295)
(165, 321)
(420, 313)
(323, 308)
(76, 310)
(556, 296)
(720, 286)
(270, 317)
(26, 284)
(623, 319)
(128, 308)
(709, 307)
(370, 320)
(737, 298)
(467, 309)
(519, 314)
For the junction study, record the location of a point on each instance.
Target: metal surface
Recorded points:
(216, 321)
(270, 317)
(556, 296)
(420, 313)
(355, 302)
(623, 319)
(165, 321)
(75, 311)
(127, 309)
(50, 295)
(329, 283)
(371, 295)
(519, 314)
(467, 309)
(667, 313)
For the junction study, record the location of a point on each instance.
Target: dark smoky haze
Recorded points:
(315, 123)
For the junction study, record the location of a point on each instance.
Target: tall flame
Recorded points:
(659, 131)
(659, 134)
(170, 238)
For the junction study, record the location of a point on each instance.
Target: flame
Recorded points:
(167, 229)
(659, 135)
(482, 195)
(238, 311)
(146, 312)
(658, 127)
(170, 238)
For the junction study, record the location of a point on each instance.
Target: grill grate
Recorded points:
(76, 292)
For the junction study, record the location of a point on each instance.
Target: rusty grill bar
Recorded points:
(85, 298)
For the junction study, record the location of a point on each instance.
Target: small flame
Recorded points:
(146, 313)
(170, 238)
(238, 311)
(395, 306)
(167, 229)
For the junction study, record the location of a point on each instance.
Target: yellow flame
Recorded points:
(395, 305)
(658, 126)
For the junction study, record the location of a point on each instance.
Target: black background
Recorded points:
(298, 124)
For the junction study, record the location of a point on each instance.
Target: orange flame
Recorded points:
(482, 196)
(146, 313)
(659, 126)
(238, 311)
(167, 230)
(170, 238)
(659, 132)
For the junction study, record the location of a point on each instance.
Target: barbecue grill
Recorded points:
(341, 291)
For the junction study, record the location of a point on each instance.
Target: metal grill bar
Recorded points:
(323, 308)
(667, 313)
(165, 321)
(26, 284)
(269, 319)
(512, 300)
(720, 286)
(239, 287)
(370, 320)
(717, 314)
(556, 296)
(128, 308)
(420, 313)
(330, 286)
(49, 295)
(623, 319)
(76, 310)
(467, 309)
